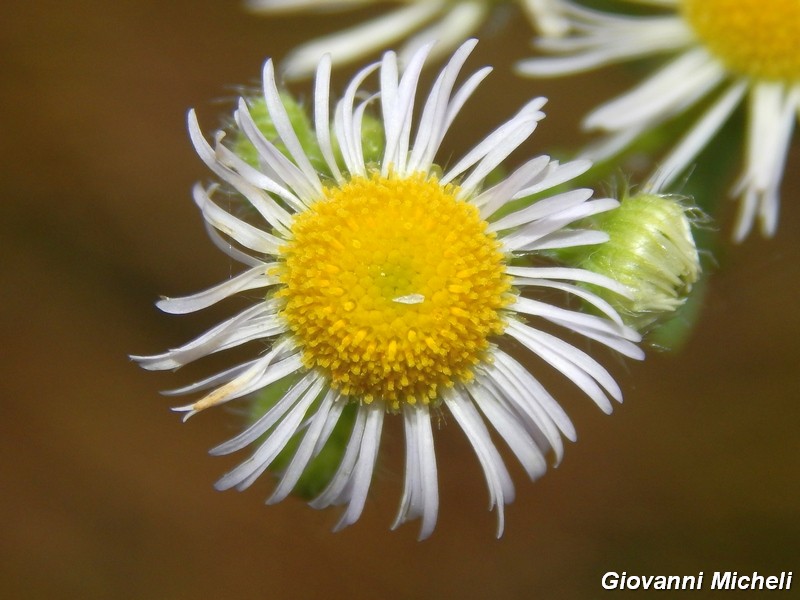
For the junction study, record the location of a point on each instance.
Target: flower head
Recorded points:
(418, 22)
(389, 287)
(728, 51)
(651, 250)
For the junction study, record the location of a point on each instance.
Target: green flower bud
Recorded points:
(650, 250)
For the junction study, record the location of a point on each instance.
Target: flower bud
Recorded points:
(651, 251)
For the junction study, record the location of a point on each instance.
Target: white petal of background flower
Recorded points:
(694, 75)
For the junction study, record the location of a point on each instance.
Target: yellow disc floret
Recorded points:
(393, 287)
(756, 38)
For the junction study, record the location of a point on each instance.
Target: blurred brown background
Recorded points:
(105, 494)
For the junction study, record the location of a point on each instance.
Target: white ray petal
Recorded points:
(244, 178)
(497, 196)
(538, 210)
(305, 189)
(361, 40)
(310, 382)
(698, 136)
(501, 488)
(460, 21)
(565, 238)
(240, 384)
(282, 124)
(364, 467)
(257, 321)
(530, 233)
(535, 400)
(498, 145)
(288, 419)
(574, 364)
(556, 174)
(431, 123)
(510, 429)
(420, 488)
(305, 450)
(773, 112)
(243, 233)
(229, 249)
(252, 279)
(397, 113)
(349, 138)
(334, 491)
(322, 124)
(667, 92)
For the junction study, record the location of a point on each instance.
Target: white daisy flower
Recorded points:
(390, 286)
(418, 22)
(728, 52)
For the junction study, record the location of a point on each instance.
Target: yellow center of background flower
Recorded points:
(393, 287)
(757, 38)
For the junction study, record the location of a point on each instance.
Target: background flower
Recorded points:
(411, 25)
(728, 51)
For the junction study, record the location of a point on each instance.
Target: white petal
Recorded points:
(565, 238)
(254, 278)
(304, 452)
(545, 207)
(574, 364)
(510, 429)
(431, 123)
(535, 399)
(496, 147)
(501, 488)
(310, 381)
(569, 318)
(773, 111)
(243, 383)
(334, 492)
(420, 487)
(398, 111)
(556, 174)
(295, 178)
(667, 92)
(497, 196)
(322, 123)
(289, 419)
(459, 22)
(343, 125)
(244, 178)
(699, 135)
(362, 473)
(568, 274)
(243, 233)
(283, 126)
(609, 40)
(530, 233)
(361, 40)
(259, 321)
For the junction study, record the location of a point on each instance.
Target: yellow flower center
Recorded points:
(393, 287)
(756, 38)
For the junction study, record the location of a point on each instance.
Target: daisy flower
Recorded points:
(728, 52)
(418, 22)
(388, 286)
